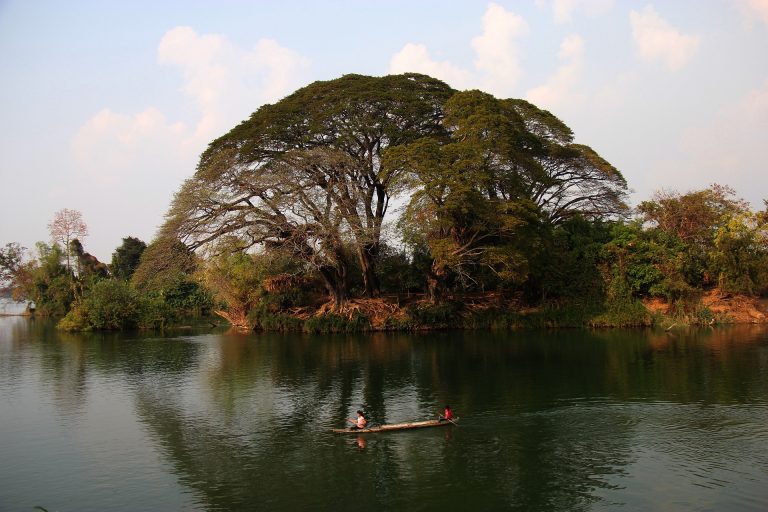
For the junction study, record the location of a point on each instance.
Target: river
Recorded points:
(566, 420)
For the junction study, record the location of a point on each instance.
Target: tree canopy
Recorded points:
(314, 175)
(306, 174)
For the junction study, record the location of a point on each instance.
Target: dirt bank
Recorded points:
(740, 309)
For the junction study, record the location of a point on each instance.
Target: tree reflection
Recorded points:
(549, 421)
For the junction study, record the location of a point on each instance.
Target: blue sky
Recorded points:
(105, 106)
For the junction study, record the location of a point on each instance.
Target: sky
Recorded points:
(105, 106)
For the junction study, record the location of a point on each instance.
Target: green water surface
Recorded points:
(550, 421)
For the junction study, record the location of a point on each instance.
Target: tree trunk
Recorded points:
(367, 256)
(436, 282)
(336, 279)
(336, 288)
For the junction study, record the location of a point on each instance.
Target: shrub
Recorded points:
(332, 322)
(110, 304)
(437, 316)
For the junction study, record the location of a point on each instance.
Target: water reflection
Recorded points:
(571, 420)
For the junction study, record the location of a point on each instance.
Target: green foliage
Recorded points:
(567, 267)
(495, 319)
(243, 282)
(46, 282)
(166, 272)
(325, 141)
(126, 258)
(463, 228)
(400, 272)
(694, 217)
(164, 263)
(441, 315)
(265, 318)
(643, 263)
(628, 312)
(11, 260)
(87, 265)
(111, 304)
(332, 322)
(740, 255)
(500, 198)
(158, 313)
(186, 296)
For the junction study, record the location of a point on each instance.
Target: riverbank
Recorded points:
(719, 307)
(493, 311)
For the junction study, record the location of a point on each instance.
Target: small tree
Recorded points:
(696, 216)
(11, 260)
(66, 226)
(45, 281)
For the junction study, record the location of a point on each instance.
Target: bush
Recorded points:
(493, 318)
(332, 322)
(623, 313)
(155, 312)
(263, 318)
(111, 304)
(436, 316)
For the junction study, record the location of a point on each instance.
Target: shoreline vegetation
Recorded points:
(505, 222)
(491, 311)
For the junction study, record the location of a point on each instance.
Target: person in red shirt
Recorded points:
(447, 414)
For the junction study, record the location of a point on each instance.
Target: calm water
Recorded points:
(570, 420)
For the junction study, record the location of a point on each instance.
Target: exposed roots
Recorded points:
(238, 320)
(377, 310)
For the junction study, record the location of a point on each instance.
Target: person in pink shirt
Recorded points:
(360, 423)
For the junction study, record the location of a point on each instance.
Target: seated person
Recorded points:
(360, 423)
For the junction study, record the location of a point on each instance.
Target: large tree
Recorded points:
(282, 208)
(503, 165)
(571, 180)
(327, 138)
(468, 204)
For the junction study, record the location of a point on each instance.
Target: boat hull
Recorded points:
(396, 426)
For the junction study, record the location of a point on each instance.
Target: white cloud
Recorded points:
(497, 49)
(563, 10)
(227, 82)
(126, 167)
(416, 58)
(655, 39)
(755, 7)
(558, 90)
(130, 159)
(497, 66)
(731, 149)
(111, 148)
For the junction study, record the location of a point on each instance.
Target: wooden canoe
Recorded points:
(396, 426)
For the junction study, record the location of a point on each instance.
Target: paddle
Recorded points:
(447, 419)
